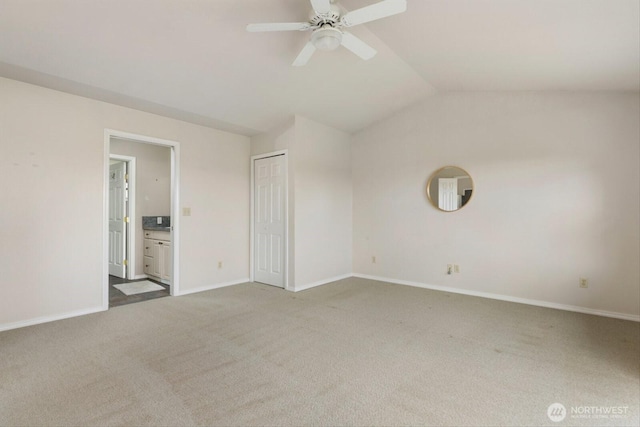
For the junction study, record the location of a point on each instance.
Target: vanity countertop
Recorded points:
(157, 228)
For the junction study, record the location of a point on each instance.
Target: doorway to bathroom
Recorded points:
(126, 283)
(141, 225)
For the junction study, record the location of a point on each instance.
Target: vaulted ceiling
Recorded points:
(193, 59)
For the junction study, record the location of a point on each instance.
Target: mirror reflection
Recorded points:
(450, 188)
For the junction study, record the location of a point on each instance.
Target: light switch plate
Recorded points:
(186, 211)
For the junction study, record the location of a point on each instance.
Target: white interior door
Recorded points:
(117, 214)
(269, 220)
(448, 194)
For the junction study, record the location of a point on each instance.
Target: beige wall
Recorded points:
(51, 175)
(551, 202)
(153, 185)
(323, 203)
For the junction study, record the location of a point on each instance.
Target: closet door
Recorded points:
(269, 221)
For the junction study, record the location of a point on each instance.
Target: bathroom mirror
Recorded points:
(450, 188)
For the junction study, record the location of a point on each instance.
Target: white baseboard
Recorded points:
(214, 286)
(47, 319)
(577, 309)
(140, 276)
(321, 282)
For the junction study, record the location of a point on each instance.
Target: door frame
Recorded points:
(175, 203)
(131, 213)
(286, 214)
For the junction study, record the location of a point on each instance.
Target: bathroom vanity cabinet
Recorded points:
(157, 255)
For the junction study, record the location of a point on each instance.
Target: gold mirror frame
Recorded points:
(449, 172)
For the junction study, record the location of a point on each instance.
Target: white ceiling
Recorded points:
(193, 59)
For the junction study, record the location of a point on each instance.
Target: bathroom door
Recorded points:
(117, 218)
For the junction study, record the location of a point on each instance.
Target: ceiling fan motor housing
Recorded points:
(332, 17)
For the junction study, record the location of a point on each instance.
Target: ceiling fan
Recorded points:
(326, 21)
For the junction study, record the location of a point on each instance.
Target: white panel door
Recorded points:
(448, 194)
(117, 225)
(165, 252)
(269, 220)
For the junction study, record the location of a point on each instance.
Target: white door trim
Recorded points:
(131, 213)
(286, 214)
(175, 203)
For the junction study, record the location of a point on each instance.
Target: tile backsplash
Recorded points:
(152, 221)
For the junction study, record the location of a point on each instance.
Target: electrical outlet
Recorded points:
(373, 259)
(456, 268)
(219, 264)
(584, 283)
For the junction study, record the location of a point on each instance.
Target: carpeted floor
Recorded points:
(355, 352)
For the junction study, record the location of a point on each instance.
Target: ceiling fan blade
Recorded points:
(321, 6)
(357, 46)
(375, 11)
(283, 26)
(305, 55)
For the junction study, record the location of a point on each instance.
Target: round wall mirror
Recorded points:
(450, 188)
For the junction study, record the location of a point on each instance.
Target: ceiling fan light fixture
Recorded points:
(326, 38)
